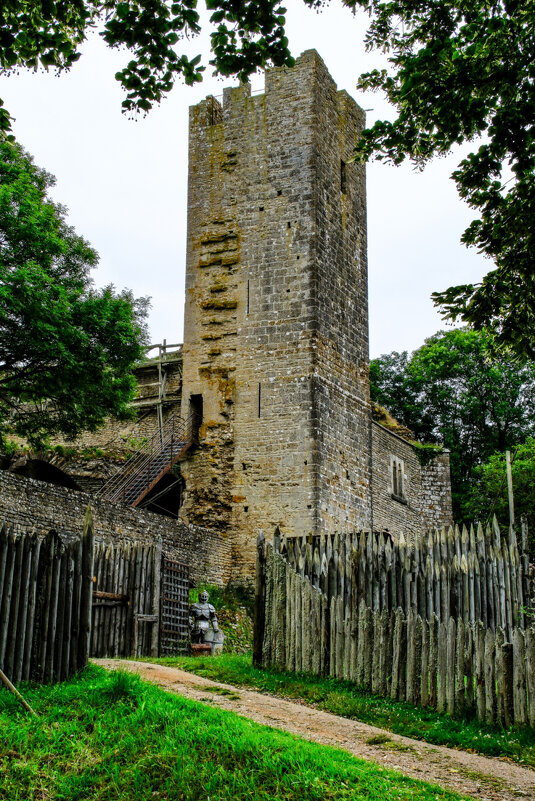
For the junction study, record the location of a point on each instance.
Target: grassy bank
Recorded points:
(343, 698)
(113, 737)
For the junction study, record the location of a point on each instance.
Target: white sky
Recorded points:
(124, 182)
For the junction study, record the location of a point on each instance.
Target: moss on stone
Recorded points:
(217, 303)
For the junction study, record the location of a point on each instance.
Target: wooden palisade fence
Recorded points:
(315, 613)
(63, 602)
(45, 604)
(126, 600)
(472, 574)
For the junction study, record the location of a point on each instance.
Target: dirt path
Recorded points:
(468, 774)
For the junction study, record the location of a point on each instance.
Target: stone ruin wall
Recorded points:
(95, 456)
(427, 490)
(276, 310)
(34, 504)
(121, 437)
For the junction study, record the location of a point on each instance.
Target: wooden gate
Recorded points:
(140, 601)
(174, 623)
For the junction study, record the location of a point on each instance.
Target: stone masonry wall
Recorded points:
(275, 334)
(30, 503)
(122, 437)
(342, 403)
(426, 501)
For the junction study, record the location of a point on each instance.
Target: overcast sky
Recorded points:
(124, 182)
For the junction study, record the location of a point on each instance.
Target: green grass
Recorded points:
(112, 737)
(345, 699)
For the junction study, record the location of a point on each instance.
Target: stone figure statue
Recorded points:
(203, 624)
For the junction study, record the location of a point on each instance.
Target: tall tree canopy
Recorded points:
(488, 492)
(459, 69)
(66, 349)
(246, 35)
(454, 391)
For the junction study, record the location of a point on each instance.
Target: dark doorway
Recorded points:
(196, 411)
(166, 497)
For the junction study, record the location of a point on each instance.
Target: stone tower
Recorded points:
(276, 319)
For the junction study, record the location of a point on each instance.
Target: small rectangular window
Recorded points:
(343, 181)
(397, 479)
(259, 398)
(247, 307)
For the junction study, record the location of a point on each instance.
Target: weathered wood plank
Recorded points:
(490, 683)
(530, 674)
(507, 651)
(450, 671)
(35, 549)
(519, 679)
(460, 704)
(424, 669)
(499, 676)
(411, 656)
(442, 666)
(479, 670)
(88, 543)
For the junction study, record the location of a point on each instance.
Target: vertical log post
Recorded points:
(86, 594)
(259, 605)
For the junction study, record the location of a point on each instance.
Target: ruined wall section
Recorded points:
(425, 500)
(33, 504)
(436, 501)
(341, 390)
(120, 438)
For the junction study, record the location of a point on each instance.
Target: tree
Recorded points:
(246, 35)
(459, 69)
(488, 493)
(66, 349)
(391, 386)
(454, 392)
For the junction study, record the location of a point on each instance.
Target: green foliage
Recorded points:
(141, 743)
(123, 686)
(426, 452)
(215, 592)
(488, 494)
(10, 447)
(68, 451)
(67, 350)
(455, 390)
(132, 444)
(347, 700)
(245, 35)
(459, 71)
